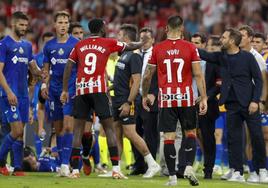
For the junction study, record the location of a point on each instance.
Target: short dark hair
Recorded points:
(248, 29)
(215, 40)
(26, 166)
(235, 35)
(175, 21)
(19, 15)
(47, 34)
(260, 35)
(146, 29)
(95, 25)
(74, 25)
(202, 36)
(130, 30)
(61, 13)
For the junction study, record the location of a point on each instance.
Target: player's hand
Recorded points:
(44, 74)
(64, 97)
(31, 116)
(44, 93)
(262, 108)
(253, 107)
(125, 109)
(151, 98)
(203, 106)
(197, 100)
(12, 99)
(145, 102)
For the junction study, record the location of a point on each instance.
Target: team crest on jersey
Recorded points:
(21, 51)
(61, 51)
(15, 116)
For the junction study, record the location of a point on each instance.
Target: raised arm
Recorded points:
(211, 57)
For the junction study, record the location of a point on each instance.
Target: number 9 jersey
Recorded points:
(174, 59)
(91, 56)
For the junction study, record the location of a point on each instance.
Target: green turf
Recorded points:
(48, 180)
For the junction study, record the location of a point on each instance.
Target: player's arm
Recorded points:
(12, 99)
(136, 45)
(201, 85)
(264, 90)
(146, 82)
(44, 86)
(66, 76)
(35, 69)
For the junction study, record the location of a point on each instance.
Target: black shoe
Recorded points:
(208, 176)
(137, 171)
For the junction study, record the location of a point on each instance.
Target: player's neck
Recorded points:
(173, 35)
(62, 38)
(15, 37)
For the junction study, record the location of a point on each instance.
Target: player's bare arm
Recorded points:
(44, 87)
(201, 85)
(264, 91)
(146, 82)
(125, 108)
(66, 76)
(136, 45)
(35, 69)
(12, 99)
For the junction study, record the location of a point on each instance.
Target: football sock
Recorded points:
(190, 149)
(219, 152)
(170, 156)
(5, 148)
(75, 159)
(67, 141)
(59, 146)
(114, 155)
(17, 149)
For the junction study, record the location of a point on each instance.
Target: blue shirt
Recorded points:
(16, 56)
(57, 54)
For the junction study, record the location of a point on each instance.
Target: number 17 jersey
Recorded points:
(174, 59)
(91, 56)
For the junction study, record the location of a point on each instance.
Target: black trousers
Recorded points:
(207, 127)
(236, 115)
(146, 127)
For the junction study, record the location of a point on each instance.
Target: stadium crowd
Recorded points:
(116, 77)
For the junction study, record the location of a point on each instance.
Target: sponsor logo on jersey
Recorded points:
(16, 59)
(59, 61)
(120, 65)
(88, 84)
(168, 97)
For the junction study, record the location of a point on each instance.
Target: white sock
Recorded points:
(150, 160)
(116, 168)
(64, 166)
(173, 178)
(75, 171)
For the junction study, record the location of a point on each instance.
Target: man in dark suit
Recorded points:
(146, 122)
(206, 123)
(240, 92)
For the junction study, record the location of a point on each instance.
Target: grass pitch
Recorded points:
(48, 180)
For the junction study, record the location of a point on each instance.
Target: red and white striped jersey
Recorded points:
(174, 59)
(91, 56)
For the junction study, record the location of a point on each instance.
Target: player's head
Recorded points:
(29, 162)
(96, 26)
(258, 42)
(127, 33)
(19, 23)
(247, 34)
(199, 40)
(175, 24)
(213, 44)
(230, 38)
(148, 32)
(61, 22)
(47, 36)
(76, 30)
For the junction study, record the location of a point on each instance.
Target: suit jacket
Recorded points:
(154, 90)
(239, 71)
(211, 77)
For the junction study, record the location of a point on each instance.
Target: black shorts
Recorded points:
(168, 118)
(40, 98)
(99, 102)
(90, 116)
(127, 120)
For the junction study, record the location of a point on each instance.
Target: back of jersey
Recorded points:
(174, 60)
(91, 56)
